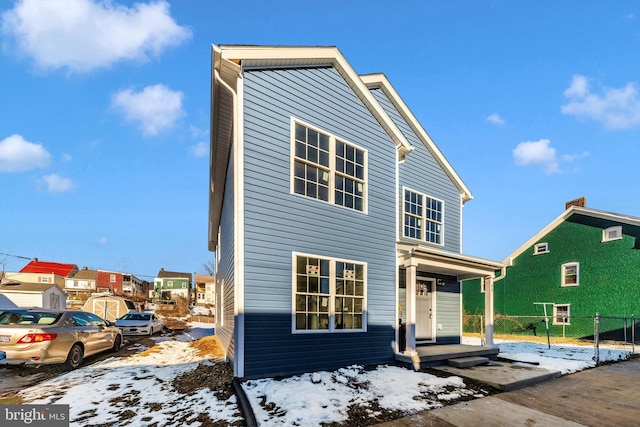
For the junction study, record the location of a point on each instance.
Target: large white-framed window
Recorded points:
(329, 294)
(561, 314)
(423, 217)
(570, 274)
(327, 168)
(612, 233)
(541, 248)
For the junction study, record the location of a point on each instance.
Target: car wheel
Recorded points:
(74, 359)
(117, 342)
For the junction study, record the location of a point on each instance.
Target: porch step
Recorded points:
(467, 362)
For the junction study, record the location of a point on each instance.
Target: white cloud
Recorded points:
(82, 35)
(615, 108)
(573, 157)
(537, 153)
(102, 240)
(201, 149)
(156, 108)
(495, 119)
(57, 183)
(18, 155)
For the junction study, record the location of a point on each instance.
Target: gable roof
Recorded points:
(227, 62)
(44, 267)
(163, 274)
(28, 287)
(570, 212)
(380, 81)
(86, 274)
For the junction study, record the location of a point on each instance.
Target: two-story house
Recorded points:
(332, 215)
(585, 261)
(169, 285)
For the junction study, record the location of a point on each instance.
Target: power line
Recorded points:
(17, 256)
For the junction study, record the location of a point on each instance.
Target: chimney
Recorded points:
(580, 202)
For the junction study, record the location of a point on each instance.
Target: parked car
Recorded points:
(134, 323)
(35, 336)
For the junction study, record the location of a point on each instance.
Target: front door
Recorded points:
(424, 309)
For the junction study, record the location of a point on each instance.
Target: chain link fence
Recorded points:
(584, 337)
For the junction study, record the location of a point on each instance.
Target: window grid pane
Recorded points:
(312, 295)
(339, 180)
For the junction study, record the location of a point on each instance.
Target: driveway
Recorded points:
(603, 396)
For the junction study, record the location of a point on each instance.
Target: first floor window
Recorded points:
(329, 294)
(561, 314)
(571, 274)
(423, 217)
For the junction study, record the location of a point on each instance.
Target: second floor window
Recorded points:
(328, 169)
(423, 217)
(570, 274)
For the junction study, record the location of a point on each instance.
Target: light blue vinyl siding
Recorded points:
(278, 223)
(225, 273)
(448, 313)
(421, 172)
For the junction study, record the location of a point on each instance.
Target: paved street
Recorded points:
(606, 396)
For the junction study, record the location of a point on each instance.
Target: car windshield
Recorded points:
(28, 318)
(136, 316)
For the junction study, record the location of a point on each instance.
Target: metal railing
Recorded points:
(587, 336)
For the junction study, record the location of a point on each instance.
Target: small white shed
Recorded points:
(108, 306)
(43, 295)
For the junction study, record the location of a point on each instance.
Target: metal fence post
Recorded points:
(633, 334)
(596, 338)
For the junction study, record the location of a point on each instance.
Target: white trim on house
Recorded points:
(238, 225)
(381, 81)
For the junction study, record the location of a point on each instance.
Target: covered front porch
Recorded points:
(432, 276)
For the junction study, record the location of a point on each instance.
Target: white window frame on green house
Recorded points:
(418, 214)
(563, 272)
(319, 289)
(327, 168)
(612, 233)
(483, 286)
(541, 248)
(567, 317)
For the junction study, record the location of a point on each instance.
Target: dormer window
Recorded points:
(612, 233)
(541, 248)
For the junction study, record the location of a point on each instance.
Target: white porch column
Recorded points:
(488, 310)
(411, 308)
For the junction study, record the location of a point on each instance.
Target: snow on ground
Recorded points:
(310, 399)
(136, 390)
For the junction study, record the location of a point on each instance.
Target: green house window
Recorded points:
(571, 274)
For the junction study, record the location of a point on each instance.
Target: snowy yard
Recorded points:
(144, 388)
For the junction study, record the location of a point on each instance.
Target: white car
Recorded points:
(134, 323)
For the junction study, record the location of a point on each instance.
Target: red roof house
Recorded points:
(44, 267)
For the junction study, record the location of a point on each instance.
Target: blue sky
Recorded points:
(104, 113)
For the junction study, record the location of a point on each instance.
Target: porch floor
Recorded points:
(435, 355)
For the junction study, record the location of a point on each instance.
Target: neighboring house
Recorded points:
(204, 289)
(37, 271)
(109, 281)
(84, 281)
(169, 285)
(44, 295)
(332, 215)
(131, 285)
(586, 261)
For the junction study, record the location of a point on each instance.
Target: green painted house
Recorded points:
(169, 285)
(584, 262)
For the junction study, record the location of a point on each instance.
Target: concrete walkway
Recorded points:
(604, 396)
